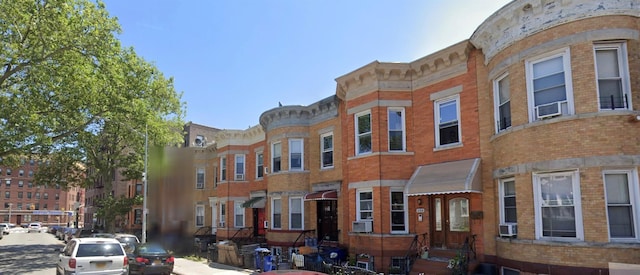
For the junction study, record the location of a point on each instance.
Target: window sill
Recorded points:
(448, 146)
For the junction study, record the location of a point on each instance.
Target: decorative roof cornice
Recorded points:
(298, 115)
(520, 19)
(250, 136)
(381, 76)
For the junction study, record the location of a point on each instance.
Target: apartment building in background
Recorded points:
(519, 145)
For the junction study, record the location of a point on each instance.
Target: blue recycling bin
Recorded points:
(268, 263)
(260, 252)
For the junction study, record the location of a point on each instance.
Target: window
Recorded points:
(447, 121)
(557, 205)
(613, 76)
(364, 203)
(57, 196)
(259, 165)
(276, 157)
(7, 183)
(326, 144)
(223, 168)
(239, 167)
(30, 184)
(508, 212)
(21, 173)
(502, 102)
(137, 216)
(295, 154)
(223, 214)
(363, 133)
(295, 213)
(199, 215)
(622, 196)
(8, 172)
(459, 215)
(20, 183)
(398, 213)
(549, 86)
(276, 219)
(238, 214)
(200, 178)
(396, 129)
(138, 189)
(37, 195)
(31, 162)
(28, 195)
(20, 195)
(7, 195)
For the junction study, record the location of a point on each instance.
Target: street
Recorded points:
(28, 253)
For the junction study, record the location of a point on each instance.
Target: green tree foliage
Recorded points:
(72, 94)
(110, 208)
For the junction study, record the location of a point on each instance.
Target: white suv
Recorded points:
(35, 227)
(92, 256)
(4, 228)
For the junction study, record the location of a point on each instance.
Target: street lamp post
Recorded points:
(10, 204)
(144, 184)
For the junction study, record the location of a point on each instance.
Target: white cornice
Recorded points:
(520, 19)
(246, 137)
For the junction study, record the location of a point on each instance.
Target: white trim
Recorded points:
(501, 183)
(239, 176)
(223, 168)
(405, 210)
(358, 192)
(357, 135)
(273, 199)
(496, 100)
(291, 141)
(634, 199)
(403, 128)
(204, 181)
(623, 69)
(258, 168)
(323, 150)
(199, 208)
(273, 156)
(237, 211)
(436, 110)
(301, 213)
(577, 205)
(566, 64)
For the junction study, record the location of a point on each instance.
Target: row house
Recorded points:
(519, 145)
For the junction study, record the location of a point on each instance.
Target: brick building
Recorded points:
(519, 144)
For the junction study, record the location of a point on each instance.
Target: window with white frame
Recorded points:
(363, 132)
(396, 125)
(558, 207)
(295, 213)
(549, 86)
(223, 214)
(239, 167)
(447, 114)
(326, 147)
(296, 156)
(276, 213)
(502, 102)
(622, 196)
(364, 203)
(238, 212)
(200, 178)
(199, 215)
(508, 212)
(398, 212)
(613, 76)
(276, 157)
(259, 165)
(223, 168)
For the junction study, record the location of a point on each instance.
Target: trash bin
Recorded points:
(259, 254)
(212, 256)
(268, 263)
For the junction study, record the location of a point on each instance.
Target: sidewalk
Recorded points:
(184, 266)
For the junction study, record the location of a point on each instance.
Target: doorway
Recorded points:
(327, 220)
(449, 220)
(258, 222)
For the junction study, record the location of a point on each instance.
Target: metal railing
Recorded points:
(614, 102)
(418, 246)
(304, 234)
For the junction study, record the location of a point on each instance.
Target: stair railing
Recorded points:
(416, 248)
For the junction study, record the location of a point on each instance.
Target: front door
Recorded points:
(449, 220)
(327, 220)
(258, 222)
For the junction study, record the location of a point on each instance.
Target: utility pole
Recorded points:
(144, 183)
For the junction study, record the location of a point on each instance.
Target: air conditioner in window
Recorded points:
(549, 110)
(221, 224)
(362, 226)
(239, 176)
(265, 224)
(508, 229)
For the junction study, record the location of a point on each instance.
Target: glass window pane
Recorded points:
(621, 222)
(548, 67)
(459, 215)
(448, 112)
(617, 186)
(364, 124)
(607, 62)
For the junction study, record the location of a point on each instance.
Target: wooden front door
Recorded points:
(258, 222)
(449, 220)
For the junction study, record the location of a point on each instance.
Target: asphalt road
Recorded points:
(28, 253)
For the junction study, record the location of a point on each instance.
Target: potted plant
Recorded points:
(424, 252)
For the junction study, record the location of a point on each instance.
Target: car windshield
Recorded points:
(151, 249)
(99, 249)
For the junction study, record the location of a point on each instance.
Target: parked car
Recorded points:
(150, 258)
(85, 232)
(68, 234)
(34, 227)
(102, 235)
(60, 233)
(4, 228)
(92, 256)
(128, 241)
(53, 229)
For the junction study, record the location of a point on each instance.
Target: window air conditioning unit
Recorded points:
(508, 229)
(266, 170)
(362, 227)
(265, 224)
(221, 224)
(239, 176)
(549, 110)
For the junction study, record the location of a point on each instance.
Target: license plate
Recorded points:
(101, 265)
(156, 262)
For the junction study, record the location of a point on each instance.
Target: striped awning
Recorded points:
(322, 195)
(462, 176)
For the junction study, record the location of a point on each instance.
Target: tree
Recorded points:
(110, 208)
(70, 93)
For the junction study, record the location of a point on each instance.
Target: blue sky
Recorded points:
(235, 59)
